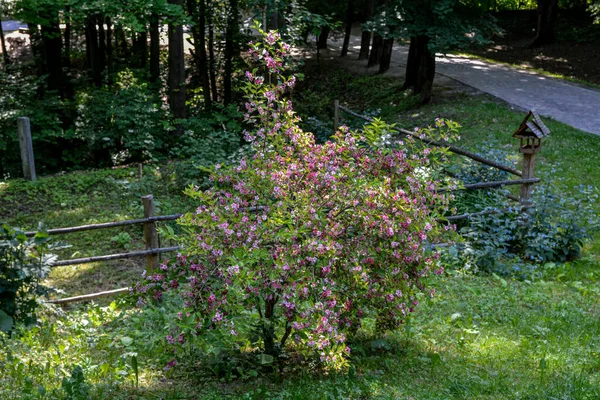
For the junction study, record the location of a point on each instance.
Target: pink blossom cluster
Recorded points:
(308, 238)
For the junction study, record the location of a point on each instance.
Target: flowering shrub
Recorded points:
(298, 243)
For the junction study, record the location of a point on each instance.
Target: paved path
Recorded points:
(571, 104)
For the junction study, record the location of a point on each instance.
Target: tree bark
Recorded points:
(365, 40)
(154, 48)
(231, 32)
(101, 42)
(322, 39)
(547, 23)
(348, 32)
(386, 55)
(67, 36)
(109, 45)
(211, 52)
(412, 65)
(376, 51)
(425, 70)
(52, 42)
(141, 48)
(176, 71)
(202, 56)
(5, 58)
(93, 49)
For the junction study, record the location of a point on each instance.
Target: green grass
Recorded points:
(81, 198)
(481, 337)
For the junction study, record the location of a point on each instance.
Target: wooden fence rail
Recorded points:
(454, 149)
(527, 177)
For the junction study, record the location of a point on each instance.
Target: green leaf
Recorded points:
(6, 322)
(265, 359)
(127, 341)
(134, 366)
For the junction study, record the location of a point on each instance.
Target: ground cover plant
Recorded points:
(482, 336)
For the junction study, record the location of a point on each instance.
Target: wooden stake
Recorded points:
(150, 235)
(26, 145)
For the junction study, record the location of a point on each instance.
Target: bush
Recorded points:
(514, 242)
(123, 123)
(24, 263)
(297, 244)
(208, 139)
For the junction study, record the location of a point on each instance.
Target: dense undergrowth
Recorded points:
(483, 336)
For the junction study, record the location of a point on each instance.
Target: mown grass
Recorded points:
(481, 337)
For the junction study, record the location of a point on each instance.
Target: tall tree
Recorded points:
(5, 58)
(437, 26)
(154, 47)
(176, 81)
(348, 27)
(231, 33)
(547, 23)
(365, 40)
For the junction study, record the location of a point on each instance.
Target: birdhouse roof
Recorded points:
(532, 126)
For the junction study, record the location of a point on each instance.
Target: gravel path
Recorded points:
(569, 103)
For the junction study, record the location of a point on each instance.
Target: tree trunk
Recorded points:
(386, 55)
(323, 36)
(365, 41)
(101, 42)
(121, 41)
(141, 48)
(376, 51)
(231, 32)
(109, 44)
(349, 20)
(412, 65)
(154, 48)
(547, 22)
(51, 39)
(5, 58)
(211, 52)
(426, 69)
(93, 49)
(37, 50)
(203, 57)
(176, 71)
(67, 36)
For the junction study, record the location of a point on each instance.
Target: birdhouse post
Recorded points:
(530, 134)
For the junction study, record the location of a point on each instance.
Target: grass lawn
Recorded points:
(481, 337)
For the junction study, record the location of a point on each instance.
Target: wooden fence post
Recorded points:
(528, 173)
(336, 115)
(150, 235)
(26, 146)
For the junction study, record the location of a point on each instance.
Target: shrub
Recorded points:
(514, 242)
(300, 242)
(24, 263)
(122, 123)
(208, 139)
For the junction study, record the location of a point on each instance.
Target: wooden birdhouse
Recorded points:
(531, 132)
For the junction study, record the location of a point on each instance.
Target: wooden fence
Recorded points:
(150, 239)
(151, 235)
(525, 183)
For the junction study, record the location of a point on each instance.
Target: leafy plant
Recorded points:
(75, 386)
(516, 242)
(298, 243)
(123, 240)
(24, 263)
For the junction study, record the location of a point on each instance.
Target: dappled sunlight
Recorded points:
(89, 278)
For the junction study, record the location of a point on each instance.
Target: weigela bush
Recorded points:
(298, 243)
